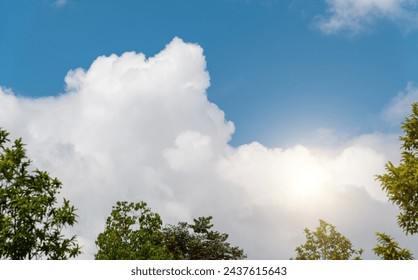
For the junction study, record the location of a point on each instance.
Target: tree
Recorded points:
(198, 242)
(132, 232)
(30, 220)
(326, 244)
(401, 182)
(388, 249)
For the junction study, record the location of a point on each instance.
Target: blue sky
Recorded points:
(273, 72)
(268, 115)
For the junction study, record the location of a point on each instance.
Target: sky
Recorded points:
(268, 115)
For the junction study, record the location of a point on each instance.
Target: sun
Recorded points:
(309, 180)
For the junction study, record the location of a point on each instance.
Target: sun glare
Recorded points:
(309, 180)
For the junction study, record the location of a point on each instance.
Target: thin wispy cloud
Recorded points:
(60, 3)
(400, 106)
(354, 16)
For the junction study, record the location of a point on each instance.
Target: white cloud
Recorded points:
(137, 128)
(400, 105)
(60, 3)
(353, 16)
(192, 149)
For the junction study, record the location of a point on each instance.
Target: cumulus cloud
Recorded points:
(136, 128)
(192, 149)
(353, 16)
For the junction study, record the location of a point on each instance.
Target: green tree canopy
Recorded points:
(326, 244)
(134, 232)
(198, 241)
(30, 220)
(388, 249)
(401, 182)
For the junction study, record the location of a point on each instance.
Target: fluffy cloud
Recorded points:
(138, 128)
(354, 15)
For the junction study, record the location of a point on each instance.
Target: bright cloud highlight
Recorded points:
(137, 128)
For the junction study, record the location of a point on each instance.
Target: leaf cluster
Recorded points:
(30, 220)
(134, 232)
(326, 243)
(198, 241)
(388, 249)
(401, 182)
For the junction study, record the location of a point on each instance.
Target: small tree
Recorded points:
(401, 183)
(132, 232)
(30, 221)
(198, 242)
(326, 244)
(388, 249)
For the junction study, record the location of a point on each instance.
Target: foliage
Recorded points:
(388, 249)
(198, 242)
(30, 222)
(132, 232)
(326, 244)
(401, 182)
